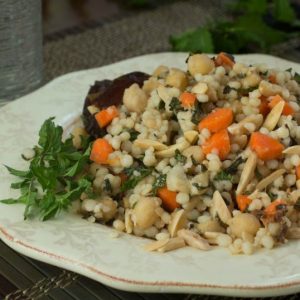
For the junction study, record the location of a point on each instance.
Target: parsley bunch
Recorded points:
(54, 177)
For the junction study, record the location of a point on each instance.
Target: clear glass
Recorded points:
(21, 60)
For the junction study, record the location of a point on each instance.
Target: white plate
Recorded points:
(72, 243)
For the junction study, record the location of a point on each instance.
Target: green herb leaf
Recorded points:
(133, 134)
(52, 170)
(180, 157)
(161, 105)
(132, 179)
(175, 105)
(283, 11)
(232, 169)
(159, 182)
(297, 77)
(107, 186)
(197, 113)
(194, 41)
(223, 175)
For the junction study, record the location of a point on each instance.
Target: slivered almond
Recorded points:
(238, 128)
(128, 221)
(93, 109)
(146, 143)
(294, 196)
(171, 150)
(221, 208)
(292, 150)
(191, 136)
(269, 179)
(200, 88)
(193, 239)
(178, 222)
(293, 233)
(274, 116)
(163, 93)
(247, 172)
(172, 244)
(153, 246)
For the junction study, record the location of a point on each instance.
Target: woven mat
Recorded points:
(89, 48)
(148, 32)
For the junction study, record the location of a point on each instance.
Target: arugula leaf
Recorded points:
(159, 182)
(52, 170)
(180, 157)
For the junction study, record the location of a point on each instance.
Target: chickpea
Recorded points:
(210, 226)
(150, 84)
(135, 99)
(244, 223)
(161, 71)
(109, 209)
(200, 64)
(144, 212)
(251, 81)
(177, 78)
(195, 152)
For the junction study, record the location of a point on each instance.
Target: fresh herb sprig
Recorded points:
(180, 157)
(159, 182)
(52, 180)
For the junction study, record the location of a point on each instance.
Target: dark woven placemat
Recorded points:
(88, 48)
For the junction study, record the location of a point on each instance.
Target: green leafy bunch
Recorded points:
(248, 31)
(55, 176)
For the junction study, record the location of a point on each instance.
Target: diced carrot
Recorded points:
(187, 99)
(265, 146)
(243, 201)
(264, 108)
(217, 120)
(271, 209)
(287, 109)
(272, 78)
(219, 141)
(224, 59)
(298, 172)
(168, 199)
(105, 116)
(100, 151)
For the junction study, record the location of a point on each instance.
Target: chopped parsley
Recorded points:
(133, 179)
(133, 134)
(175, 105)
(107, 185)
(180, 157)
(161, 105)
(228, 173)
(197, 113)
(160, 181)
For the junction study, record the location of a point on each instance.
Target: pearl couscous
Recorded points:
(199, 157)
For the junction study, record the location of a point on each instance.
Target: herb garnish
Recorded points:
(159, 182)
(133, 180)
(180, 157)
(197, 112)
(51, 170)
(228, 173)
(133, 134)
(107, 185)
(161, 105)
(175, 105)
